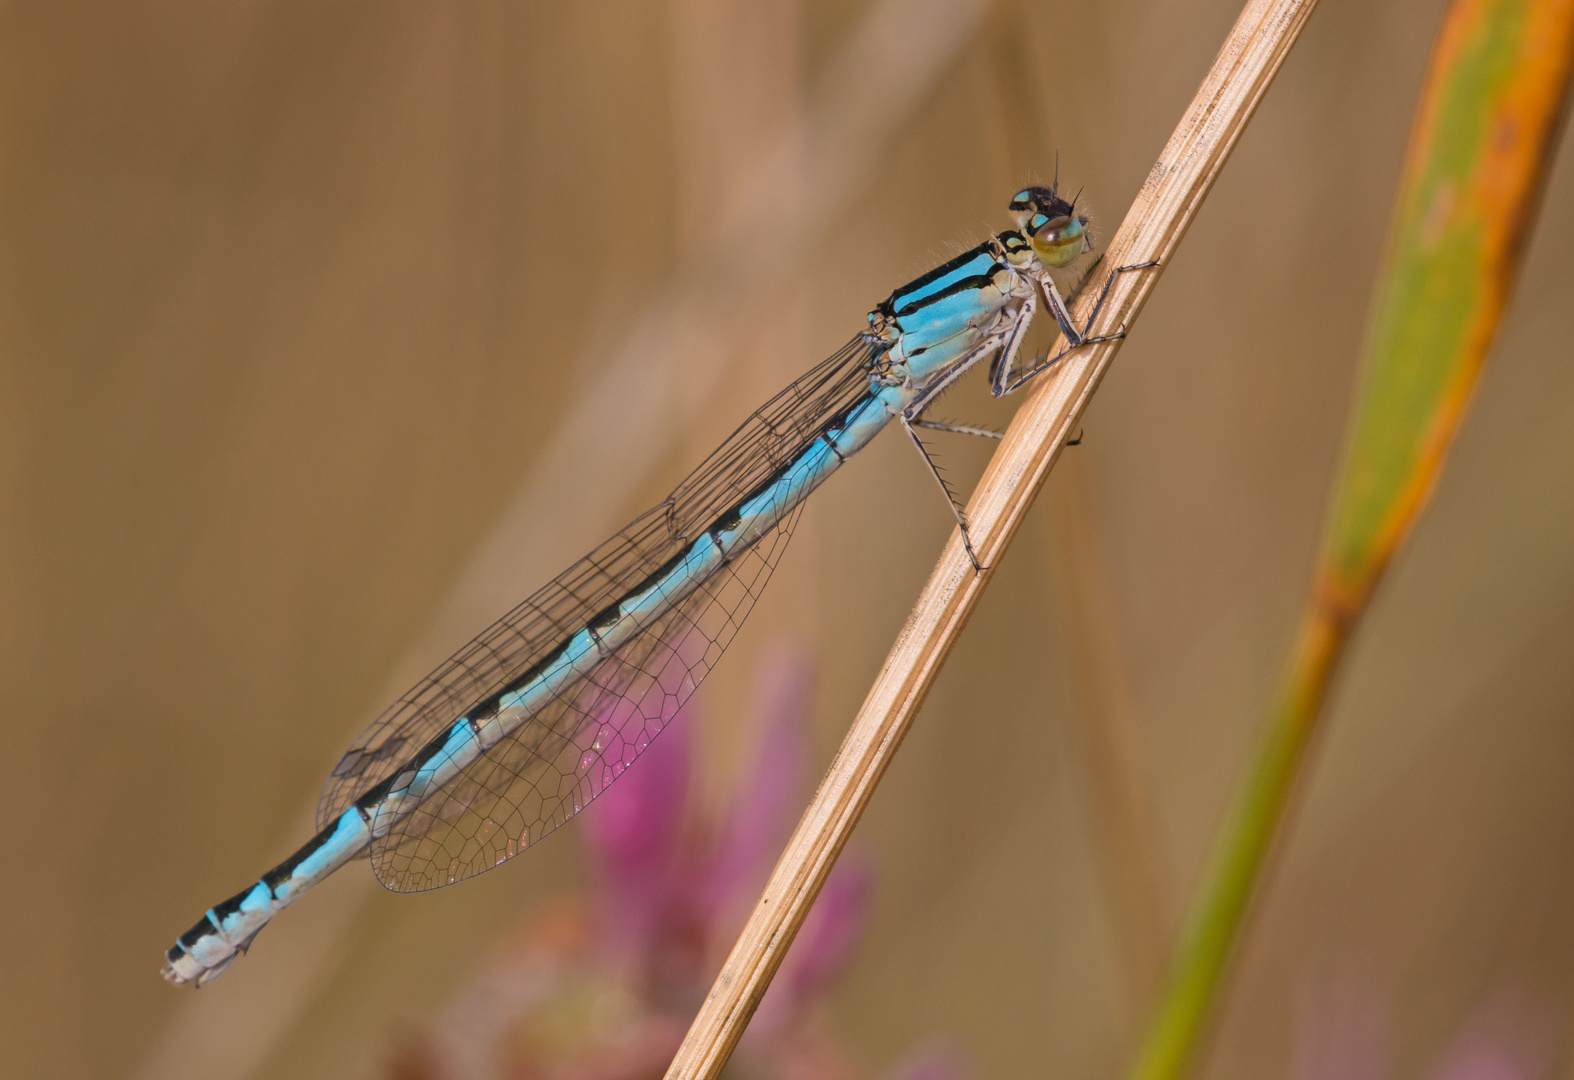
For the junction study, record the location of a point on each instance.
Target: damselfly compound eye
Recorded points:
(1058, 241)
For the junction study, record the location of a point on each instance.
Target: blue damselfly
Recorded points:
(528, 723)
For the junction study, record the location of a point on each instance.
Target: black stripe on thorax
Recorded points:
(960, 285)
(943, 269)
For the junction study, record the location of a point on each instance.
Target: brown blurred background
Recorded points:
(329, 331)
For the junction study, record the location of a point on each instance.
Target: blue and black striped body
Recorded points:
(932, 322)
(922, 335)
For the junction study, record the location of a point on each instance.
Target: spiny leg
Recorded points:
(1060, 306)
(1060, 309)
(1083, 279)
(958, 429)
(1104, 295)
(950, 496)
(1000, 367)
(966, 429)
(1082, 338)
(1005, 349)
(1049, 361)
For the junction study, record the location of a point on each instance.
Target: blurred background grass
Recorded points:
(297, 302)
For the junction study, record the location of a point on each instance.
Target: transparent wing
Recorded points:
(571, 749)
(772, 436)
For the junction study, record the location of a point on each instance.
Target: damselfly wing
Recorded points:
(554, 761)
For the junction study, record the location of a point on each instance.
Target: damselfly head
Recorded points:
(1057, 230)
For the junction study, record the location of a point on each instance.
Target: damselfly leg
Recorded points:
(1006, 342)
(950, 494)
(959, 429)
(1003, 383)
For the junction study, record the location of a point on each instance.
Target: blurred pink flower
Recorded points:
(1342, 1034)
(602, 986)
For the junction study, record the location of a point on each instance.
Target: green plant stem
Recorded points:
(1479, 152)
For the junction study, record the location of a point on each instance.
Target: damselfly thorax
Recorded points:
(924, 329)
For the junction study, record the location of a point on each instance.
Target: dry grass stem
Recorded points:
(1175, 188)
